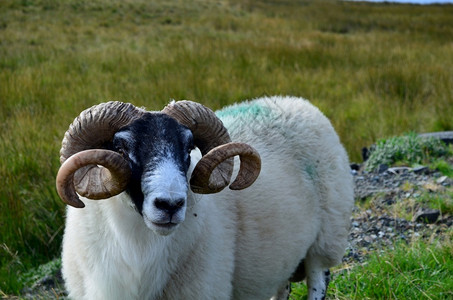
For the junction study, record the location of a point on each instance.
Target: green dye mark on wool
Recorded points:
(311, 171)
(248, 110)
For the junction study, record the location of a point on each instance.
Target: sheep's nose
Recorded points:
(169, 206)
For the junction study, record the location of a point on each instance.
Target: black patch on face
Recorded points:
(147, 141)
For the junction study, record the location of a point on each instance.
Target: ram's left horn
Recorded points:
(249, 169)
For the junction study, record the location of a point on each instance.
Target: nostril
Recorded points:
(162, 204)
(167, 205)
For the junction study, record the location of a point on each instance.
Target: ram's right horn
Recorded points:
(101, 184)
(80, 173)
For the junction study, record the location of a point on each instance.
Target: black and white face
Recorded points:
(158, 150)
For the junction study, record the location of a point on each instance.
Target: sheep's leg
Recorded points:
(283, 292)
(317, 281)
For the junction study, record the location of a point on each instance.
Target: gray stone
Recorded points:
(428, 216)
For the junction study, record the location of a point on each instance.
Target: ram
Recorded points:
(169, 229)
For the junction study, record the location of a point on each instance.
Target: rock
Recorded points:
(444, 136)
(355, 166)
(420, 170)
(432, 187)
(382, 168)
(398, 170)
(440, 180)
(426, 216)
(368, 239)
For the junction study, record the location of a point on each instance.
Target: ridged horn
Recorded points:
(93, 128)
(113, 177)
(249, 169)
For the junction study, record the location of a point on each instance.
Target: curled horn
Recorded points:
(79, 171)
(248, 172)
(213, 172)
(101, 183)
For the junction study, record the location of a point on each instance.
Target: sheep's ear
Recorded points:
(207, 180)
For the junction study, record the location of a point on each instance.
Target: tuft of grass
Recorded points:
(408, 149)
(443, 201)
(415, 271)
(443, 167)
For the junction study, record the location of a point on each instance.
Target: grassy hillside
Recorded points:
(374, 69)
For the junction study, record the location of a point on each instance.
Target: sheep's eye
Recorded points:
(189, 150)
(121, 148)
(122, 152)
(120, 143)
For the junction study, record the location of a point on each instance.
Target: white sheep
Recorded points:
(158, 239)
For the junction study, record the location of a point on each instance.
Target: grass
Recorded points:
(375, 70)
(443, 166)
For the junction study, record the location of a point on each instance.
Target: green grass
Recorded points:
(375, 70)
(417, 271)
(443, 166)
(443, 202)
